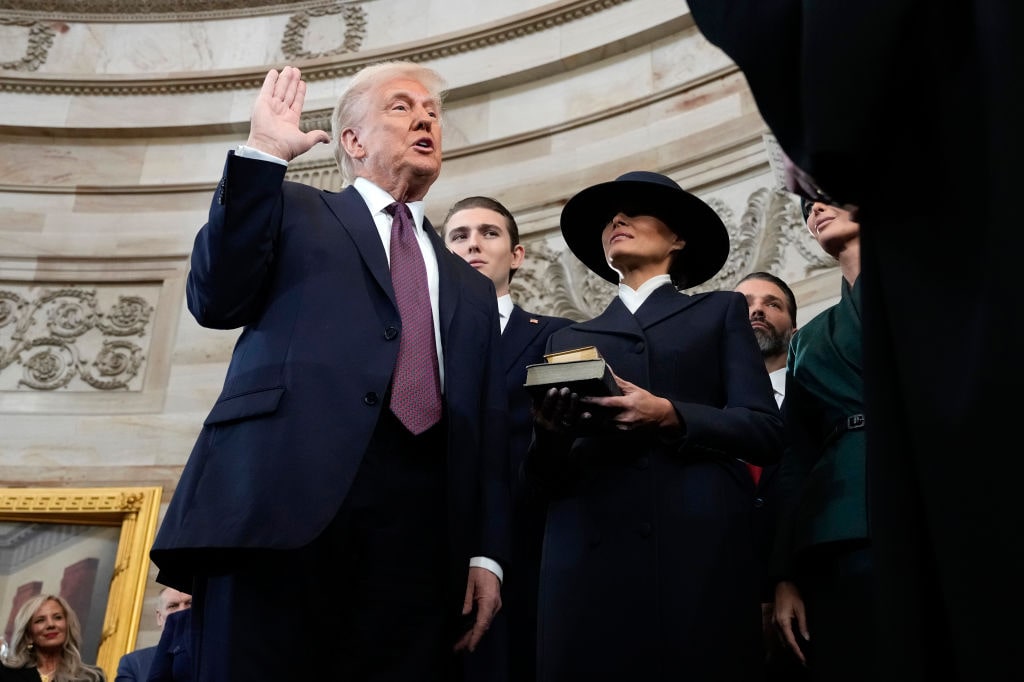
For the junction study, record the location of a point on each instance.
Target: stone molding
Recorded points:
(421, 51)
(128, 11)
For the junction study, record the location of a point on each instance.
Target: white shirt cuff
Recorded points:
(250, 153)
(490, 564)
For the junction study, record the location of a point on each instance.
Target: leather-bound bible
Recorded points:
(583, 370)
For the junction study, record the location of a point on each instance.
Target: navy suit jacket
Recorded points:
(172, 656)
(134, 666)
(522, 344)
(304, 272)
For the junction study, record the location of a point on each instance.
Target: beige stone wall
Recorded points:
(113, 133)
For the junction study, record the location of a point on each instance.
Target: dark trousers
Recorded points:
(836, 582)
(370, 597)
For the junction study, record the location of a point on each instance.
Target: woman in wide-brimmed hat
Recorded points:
(648, 569)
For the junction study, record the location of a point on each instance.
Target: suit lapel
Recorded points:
(518, 337)
(664, 302)
(616, 319)
(353, 215)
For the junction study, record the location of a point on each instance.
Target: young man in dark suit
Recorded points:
(349, 486)
(484, 232)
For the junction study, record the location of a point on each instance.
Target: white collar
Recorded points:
(635, 299)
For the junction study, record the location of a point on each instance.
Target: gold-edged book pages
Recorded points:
(574, 354)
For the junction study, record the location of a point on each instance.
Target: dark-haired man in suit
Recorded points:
(351, 446)
(484, 232)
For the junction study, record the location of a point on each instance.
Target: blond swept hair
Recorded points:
(354, 102)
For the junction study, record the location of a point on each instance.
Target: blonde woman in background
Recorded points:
(45, 645)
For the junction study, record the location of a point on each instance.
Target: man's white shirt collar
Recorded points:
(505, 306)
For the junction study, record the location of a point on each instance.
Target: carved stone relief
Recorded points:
(293, 44)
(75, 338)
(38, 38)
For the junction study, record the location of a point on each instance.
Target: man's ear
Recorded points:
(351, 144)
(518, 256)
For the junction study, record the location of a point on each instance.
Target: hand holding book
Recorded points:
(576, 391)
(561, 384)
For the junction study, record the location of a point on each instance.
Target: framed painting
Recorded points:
(90, 546)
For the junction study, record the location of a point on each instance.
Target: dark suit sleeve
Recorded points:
(750, 426)
(172, 661)
(547, 469)
(125, 670)
(233, 255)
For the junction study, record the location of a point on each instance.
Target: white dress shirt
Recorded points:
(505, 306)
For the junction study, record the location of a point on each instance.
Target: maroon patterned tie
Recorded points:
(416, 385)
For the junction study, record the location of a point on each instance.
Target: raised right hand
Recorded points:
(274, 127)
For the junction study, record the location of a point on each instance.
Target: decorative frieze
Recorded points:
(85, 336)
(67, 337)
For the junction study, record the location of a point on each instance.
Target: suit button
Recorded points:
(390, 332)
(370, 398)
(639, 348)
(758, 502)
(645, 529)
(643, 462)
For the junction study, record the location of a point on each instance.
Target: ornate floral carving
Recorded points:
(51, 360)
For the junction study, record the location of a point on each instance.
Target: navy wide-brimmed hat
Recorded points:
(645, 193)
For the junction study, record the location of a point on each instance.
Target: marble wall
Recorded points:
(112, 137)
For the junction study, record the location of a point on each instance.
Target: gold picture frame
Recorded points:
(135, 510)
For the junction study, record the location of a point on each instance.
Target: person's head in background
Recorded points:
(771, 307)
(169, 601)
(48, 636)
(484, 233)
(832, 227)
(386, 128)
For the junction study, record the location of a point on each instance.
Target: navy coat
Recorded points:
(648, 570)
(172, 656)
(305, 273)
(134, 666)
